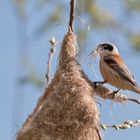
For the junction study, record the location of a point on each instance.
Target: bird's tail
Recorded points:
(137, 89)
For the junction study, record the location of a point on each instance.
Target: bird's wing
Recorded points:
(121, 69)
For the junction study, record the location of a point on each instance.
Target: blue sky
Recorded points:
(17, 102)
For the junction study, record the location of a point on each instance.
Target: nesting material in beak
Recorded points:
(94, 53)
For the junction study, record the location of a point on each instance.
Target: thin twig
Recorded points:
(134, 100)
(51, 54)
(72, 14)
(125, 125)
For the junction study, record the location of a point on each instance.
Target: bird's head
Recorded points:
(107, 48)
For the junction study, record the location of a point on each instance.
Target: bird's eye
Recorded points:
(108, 47)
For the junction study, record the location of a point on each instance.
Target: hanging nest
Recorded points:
(67, 110)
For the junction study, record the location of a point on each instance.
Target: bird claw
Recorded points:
(114, 93)
(97, 82)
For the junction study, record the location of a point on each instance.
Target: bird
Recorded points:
(114, 70)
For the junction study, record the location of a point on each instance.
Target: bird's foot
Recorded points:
(115, 92)
(97, 82)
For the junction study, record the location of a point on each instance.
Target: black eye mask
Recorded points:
(108, 47)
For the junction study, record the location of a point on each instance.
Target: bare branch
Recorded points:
(125, 125)
(134, 100)
(51, 54)
(72, 15)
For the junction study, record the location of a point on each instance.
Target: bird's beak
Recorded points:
(99, 49)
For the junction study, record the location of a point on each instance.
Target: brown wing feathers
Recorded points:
(121, 69)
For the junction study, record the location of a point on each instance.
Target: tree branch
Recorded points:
(51, 53)
(72, 15)
(106, 93)
(125, 125)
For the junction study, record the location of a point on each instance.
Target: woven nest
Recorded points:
(67, 110)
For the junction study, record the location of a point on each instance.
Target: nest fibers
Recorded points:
(67, 110)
